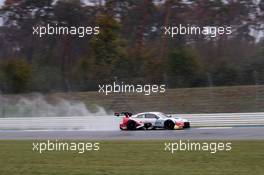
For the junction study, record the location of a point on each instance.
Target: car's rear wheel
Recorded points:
(169, 124)
(131, 125)
(186, 125)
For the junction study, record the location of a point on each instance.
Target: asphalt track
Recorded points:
(209, 133)
(239, 126)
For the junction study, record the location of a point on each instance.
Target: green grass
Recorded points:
(182, 100)
(131, 158)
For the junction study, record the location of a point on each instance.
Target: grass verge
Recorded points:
(131, 158)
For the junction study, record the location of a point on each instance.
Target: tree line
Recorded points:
(131, 46)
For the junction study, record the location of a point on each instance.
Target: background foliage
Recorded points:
(130, 47)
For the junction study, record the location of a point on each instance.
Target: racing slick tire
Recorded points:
(169, 124)
(131, 125)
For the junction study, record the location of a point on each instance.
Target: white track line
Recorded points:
(215, 128)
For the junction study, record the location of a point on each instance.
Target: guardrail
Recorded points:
(225, 119)
(112, 123)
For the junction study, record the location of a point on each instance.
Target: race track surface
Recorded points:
(220, 133)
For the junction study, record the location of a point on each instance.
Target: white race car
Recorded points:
(151, 120)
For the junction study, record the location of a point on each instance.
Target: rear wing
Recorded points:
(123, 113)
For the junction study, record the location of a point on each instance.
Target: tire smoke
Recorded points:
(37, 112)
(38, 106)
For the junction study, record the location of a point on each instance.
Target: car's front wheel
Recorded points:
(169, 124)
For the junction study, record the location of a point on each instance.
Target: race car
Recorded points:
(151, 120)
